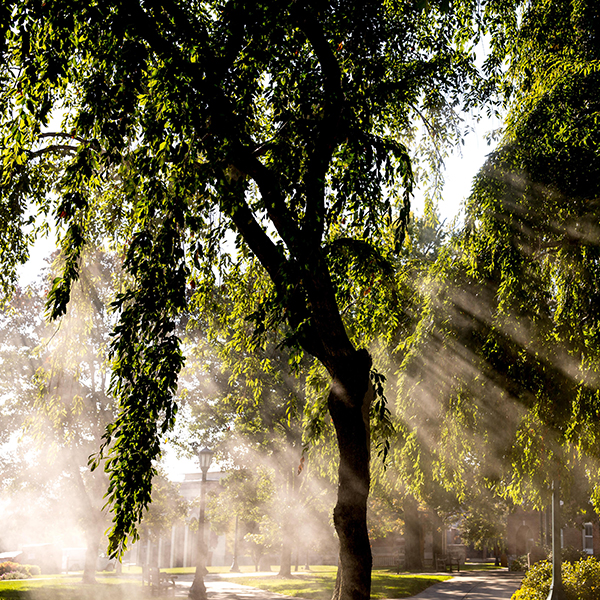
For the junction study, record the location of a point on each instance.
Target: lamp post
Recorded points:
(198, 589)
(557, 591)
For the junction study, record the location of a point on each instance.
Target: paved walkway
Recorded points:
(225, 590)
(469, 585)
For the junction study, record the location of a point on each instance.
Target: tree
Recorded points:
(483, 523)
(248, 495)
(280, 121)
(167, 508)
(538, 197)
(54, 384)
(511, 322)
(244, 393)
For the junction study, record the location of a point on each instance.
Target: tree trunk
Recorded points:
(93, 538)
(288, 528)
(257, 556)
(93, 521)
(285, 565)
(349, 403)
(412, 535)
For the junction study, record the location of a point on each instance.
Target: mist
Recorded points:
(491, 386)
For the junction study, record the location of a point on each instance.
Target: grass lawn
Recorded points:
(69, 587)
(109, 586)
(487, 566)
(318, 583)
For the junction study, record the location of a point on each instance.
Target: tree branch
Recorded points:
(267, 252)
(63, 149)
(62, 134)
(307, 271)
(273, 198)
(330, 129)
(227, 125)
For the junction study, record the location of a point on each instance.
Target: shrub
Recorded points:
(536, 583)
(30, 570)
(13, 570)
(519, 564)
(11, 575)
(8, 567)
(581, 581)
(570, 554)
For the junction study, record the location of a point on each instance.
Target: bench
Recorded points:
(445, 563)
(158, 580)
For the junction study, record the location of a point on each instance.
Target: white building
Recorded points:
(179, 547)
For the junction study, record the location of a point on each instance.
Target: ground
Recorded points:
(316, 584)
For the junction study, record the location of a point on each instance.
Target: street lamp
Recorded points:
(557, 591)
(205, 459)
(198, 589)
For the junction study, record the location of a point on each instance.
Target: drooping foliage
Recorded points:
(510, 341)
(179, 121)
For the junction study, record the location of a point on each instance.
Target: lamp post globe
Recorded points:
(205, 455)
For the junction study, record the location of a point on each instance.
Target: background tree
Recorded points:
(483, 522)
(54, 384)
(167, 509)
(509, 332)
(249, 496)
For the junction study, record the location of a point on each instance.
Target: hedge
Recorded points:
(581, 581)
(13, 570)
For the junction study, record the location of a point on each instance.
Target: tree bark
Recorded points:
(412, 535)
(288, 527)
(349, 403)
(93, 537)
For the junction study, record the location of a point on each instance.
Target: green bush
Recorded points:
(13, 570)
(581, 581)
(8, 567)
(519, 564)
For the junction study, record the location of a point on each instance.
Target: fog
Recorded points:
(498, 389)
(493, 389)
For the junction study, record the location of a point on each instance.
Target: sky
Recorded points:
(462, 166)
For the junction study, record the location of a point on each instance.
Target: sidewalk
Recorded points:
(217, 589)
(469, 585)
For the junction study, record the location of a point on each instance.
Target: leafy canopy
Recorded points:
(512, 323)
(279, 121)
